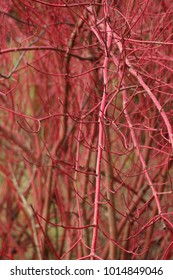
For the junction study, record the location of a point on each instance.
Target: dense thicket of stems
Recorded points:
(86, 129)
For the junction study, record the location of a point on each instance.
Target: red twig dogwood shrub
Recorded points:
(86, 122)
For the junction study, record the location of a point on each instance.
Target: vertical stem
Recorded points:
(107, 46)
(112, 221)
